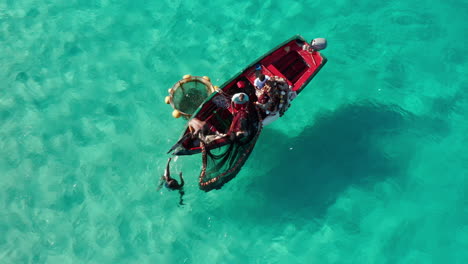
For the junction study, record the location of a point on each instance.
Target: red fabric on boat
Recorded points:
(239, 122)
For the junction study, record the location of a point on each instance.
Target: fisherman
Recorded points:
(172, 183)
(200, 130)
(239, 101)
(239, 125)
(243, 86)
(260, 81)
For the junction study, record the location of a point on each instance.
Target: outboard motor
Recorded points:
(318, 44)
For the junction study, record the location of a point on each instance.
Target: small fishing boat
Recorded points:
(213, 128)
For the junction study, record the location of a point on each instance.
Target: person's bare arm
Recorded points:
(167, 172)
(181, 180)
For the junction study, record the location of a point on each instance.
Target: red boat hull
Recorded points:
(293, 61)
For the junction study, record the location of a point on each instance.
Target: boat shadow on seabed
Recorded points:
(340, 149)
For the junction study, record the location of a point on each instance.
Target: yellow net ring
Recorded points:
(176, 114)
(175, 95)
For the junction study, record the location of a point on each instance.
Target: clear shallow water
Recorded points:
(368, 166)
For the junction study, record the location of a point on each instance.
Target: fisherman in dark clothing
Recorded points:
(172, 183)
(243, 86)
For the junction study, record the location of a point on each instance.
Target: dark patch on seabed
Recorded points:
(342, 148)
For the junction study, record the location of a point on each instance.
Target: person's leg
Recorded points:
(181, 199)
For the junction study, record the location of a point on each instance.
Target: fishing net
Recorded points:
(222, 164)
(187, 94)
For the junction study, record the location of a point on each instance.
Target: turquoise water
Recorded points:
(369, 165)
